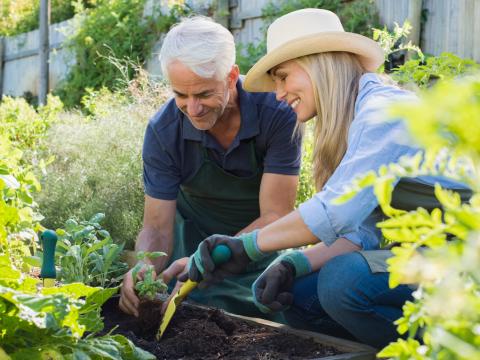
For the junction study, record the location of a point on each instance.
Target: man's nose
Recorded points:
(194, 107)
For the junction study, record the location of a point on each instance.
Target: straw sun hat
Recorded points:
(304, 32)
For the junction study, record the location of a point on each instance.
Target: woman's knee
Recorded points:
(338, 277)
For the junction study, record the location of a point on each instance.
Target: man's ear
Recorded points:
(233, 76)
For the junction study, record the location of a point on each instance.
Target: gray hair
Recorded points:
(205, 47)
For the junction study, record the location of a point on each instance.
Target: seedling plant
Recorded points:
(149, 286)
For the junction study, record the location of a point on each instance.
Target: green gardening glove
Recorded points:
(244, 250)
(272, 291)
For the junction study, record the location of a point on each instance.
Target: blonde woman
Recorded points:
(340, 284)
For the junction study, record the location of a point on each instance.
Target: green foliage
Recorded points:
(115, 28)
(447, 118)
(52, 323)
(86, 253)
(22, 131)
(24, 125)
(306, 187)
(440, 250)
(443, 67)
(248, 54)
(19, 16)
(391, 42)
(38, 323)
(98, 163)
(149, 286)
(18, 215)
(358, 16)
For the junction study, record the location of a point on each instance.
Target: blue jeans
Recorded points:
(346, 299)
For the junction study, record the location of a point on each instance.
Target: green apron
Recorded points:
(214, 201)
(407, 196)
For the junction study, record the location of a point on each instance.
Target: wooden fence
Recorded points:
(439, 25)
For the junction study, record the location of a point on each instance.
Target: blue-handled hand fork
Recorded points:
(220, 255)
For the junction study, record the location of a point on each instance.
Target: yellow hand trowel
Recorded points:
(220, 255)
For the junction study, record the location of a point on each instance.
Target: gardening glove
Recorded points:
(272, 291)
(244, 250)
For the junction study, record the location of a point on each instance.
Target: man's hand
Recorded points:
(201, 267)
(175, 270)
(129, 300)
(272, 291)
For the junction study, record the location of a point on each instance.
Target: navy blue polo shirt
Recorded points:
(170, 149)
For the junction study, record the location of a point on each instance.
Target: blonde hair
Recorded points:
(335, 79)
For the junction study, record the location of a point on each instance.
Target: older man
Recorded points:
(216, 160)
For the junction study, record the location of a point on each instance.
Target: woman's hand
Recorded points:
(244, 250)
(272, 291)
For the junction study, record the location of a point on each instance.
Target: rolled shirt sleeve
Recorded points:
(368, 236)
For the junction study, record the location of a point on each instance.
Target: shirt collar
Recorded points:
(249, 126)
(367, 80)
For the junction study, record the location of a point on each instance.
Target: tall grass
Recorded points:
(98, 164)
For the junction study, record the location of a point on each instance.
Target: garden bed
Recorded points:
(197, 332)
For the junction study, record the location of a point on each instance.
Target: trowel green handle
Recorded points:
(221, 254)
(49, 242)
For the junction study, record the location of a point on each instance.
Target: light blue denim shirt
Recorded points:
(374, 139)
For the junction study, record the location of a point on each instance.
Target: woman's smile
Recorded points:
(294, 86)
(294, 103)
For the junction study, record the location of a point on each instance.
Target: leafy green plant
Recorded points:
(24, 125)
(440, 250)
(35, 322)
(148, 287)
(86, 253)
(19, 16)
(112, 28)
(53, 323)
(19, 217)
(442, 67)
(22, 135)
(392, 42)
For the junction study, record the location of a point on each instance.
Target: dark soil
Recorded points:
(149, 317)
(203, 333)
